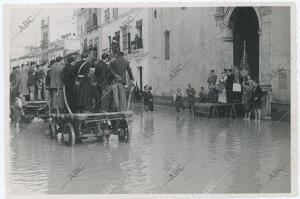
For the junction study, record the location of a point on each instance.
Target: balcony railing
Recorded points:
(44, 43)
(92, 23)
(137, 44)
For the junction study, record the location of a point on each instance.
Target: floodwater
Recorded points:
(168, 153)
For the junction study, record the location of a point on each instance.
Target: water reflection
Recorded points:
(244, 152)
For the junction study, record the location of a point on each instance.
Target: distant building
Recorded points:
(62, 47)
(53, 28)
(88, 28)
(34, 54)
(98, 27)
(14, 62)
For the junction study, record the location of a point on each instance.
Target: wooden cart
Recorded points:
(76, 127)
(32, 109)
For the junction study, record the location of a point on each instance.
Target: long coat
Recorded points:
(56, 76)
(23, 87)
(82, 75)
(56, 85)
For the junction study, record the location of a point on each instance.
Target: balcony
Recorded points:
(92, 23)
(137, 45)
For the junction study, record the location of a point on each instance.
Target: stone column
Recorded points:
(228, 43)
(265, 60)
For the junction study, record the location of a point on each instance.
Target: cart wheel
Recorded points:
(52, 127)
(124, 133)
(70, 133)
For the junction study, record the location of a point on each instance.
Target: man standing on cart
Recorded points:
(103, 76)
(56, 86)
(119, 66)
(82, 82)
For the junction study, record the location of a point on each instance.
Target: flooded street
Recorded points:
(168, 153)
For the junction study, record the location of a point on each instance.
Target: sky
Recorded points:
(64, 23)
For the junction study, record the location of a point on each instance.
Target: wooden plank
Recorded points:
(100, 116)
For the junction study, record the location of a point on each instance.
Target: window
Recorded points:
(115, 12)
(139, 27)
(167, 45)
(117, 36)
(125, 38)
(106, 14)
(109, 43)
(96, 41)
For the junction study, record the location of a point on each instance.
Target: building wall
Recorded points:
(190, 29)
(198, 43)
(83, 17)
(138, 59)
(281, 54)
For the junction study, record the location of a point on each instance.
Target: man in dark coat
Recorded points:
(119, 66)
(69, 81)
(103, 76)
(82, 82)
(229, 85)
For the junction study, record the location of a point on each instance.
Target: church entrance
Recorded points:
(245, 26)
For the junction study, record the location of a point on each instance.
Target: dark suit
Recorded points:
(103, 78)
(83, 99)
(228, 87)
(256, 97)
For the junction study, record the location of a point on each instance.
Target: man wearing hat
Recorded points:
(82, 82)
(212, 79)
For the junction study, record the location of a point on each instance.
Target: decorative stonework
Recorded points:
(266, 10)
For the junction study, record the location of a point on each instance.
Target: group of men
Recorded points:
(225, 81)
(90, 85)
(29, 80)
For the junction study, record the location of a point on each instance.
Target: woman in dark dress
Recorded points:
(82, 83)
(150, 99)
(256, 100)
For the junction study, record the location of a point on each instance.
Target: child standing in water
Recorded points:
(17, 111)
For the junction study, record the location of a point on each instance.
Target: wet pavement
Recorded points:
(169, 152)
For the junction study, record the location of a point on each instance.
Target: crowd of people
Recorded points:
(221, 90)
(100, 86)
(90, 85)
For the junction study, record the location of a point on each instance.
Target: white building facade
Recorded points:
(129, 27)
(97, 27)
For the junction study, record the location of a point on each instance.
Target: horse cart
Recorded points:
(75, 127)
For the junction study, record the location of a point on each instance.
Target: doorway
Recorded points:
(245, 26)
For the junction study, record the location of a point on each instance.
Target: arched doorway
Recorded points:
(244, 25)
